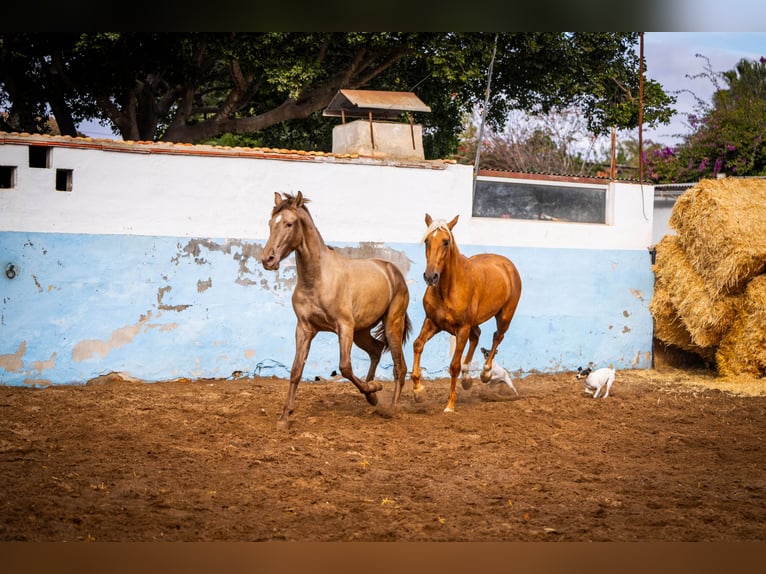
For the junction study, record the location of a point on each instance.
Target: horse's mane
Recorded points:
(289, 201)
(436, 224)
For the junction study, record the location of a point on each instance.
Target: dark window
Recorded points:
(39, 156)
(63, 180)
(518, 200)
(7, 176)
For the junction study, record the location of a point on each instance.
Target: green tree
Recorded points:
(728, 135)
(194, 87)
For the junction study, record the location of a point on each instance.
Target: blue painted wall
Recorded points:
(160, 308)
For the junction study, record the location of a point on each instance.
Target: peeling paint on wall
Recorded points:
(243, 252)
(163, 327)
(41, 366)
(203, 286)
(14, 361)
(379, 251)
(38, 382)
(162, 306)
(637, 294)
(86, 349)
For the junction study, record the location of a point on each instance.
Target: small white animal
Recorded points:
(496, 373)
(596, 380)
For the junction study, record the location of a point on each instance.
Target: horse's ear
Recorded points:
(277, 198)
(452, 223)
(429, 220)
(299, 199)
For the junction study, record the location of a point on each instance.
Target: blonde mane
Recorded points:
(436, 224)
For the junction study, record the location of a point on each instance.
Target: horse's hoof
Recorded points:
(467, 383)
(449, 410)
(417, 394)
(283, 424)
(372, 398)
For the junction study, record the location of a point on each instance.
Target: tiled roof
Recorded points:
(550, 176)
(210, 150)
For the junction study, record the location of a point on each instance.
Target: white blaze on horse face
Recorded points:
(278, 218)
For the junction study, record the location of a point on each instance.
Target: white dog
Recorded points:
(596, 380)
(496, 373)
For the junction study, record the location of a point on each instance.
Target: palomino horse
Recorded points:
(462, 294)
(338, 294)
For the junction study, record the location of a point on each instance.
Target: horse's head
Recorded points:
(439, 243)
(284, 229)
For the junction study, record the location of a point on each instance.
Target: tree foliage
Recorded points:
(271, 87)
(558, 142)
(728, 135)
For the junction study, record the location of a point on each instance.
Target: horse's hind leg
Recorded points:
(395, 326)
(503, 320)
(345, 339)
(373, 347)
(497, 338)
(506, 313)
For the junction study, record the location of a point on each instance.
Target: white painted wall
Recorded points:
(115, 192)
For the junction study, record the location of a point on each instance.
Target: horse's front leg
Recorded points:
(461, 338)
(304, 334)
(368, 389)
(473, 342)
(428, 330)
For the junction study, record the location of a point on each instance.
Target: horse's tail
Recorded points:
(407, 328)
(380, 332)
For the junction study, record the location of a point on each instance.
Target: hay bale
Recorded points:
(706, 317)
(743, 350)
(668, 326)
(721, 224)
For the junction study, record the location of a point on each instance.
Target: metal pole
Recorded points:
(484, 114)
(641, 109)
(372, 136)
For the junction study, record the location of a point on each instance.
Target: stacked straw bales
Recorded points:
(710, 287)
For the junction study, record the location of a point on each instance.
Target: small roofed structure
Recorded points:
(379, 134)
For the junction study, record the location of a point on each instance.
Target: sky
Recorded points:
(670, 59)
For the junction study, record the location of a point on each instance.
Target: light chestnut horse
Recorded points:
(346, 296)
(462, 294)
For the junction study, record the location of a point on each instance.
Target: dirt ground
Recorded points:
(667, 457)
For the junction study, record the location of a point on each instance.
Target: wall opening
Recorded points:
(549, 202)
(7, 176)
(63, 180)
(39, 156)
